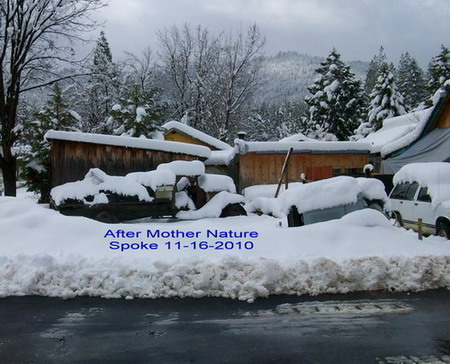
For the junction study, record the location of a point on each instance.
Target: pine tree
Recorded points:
(35, 157)
(337, 101)
(135, 115)
(410, 81)
(373, 72)
(102, 87)
(438, 72)
(385, 100)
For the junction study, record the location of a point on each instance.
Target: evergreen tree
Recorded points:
(373, 72)
(35, 157)
(336, 102)
(135, 115)
(385, 101)
(438, 72)
(101, 89)
(410, 81)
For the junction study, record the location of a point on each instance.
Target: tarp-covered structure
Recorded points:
(429, 141)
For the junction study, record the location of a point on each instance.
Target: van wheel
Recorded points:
(443, 229)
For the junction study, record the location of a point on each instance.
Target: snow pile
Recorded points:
(213, 207)
(221, 157)
(183, 201)
(45, 253)
(183, 168)
(322, 194)
(253, 192)
(434, 175)
(299, 137)
(153, 179)
(95, 183)
(196, 134)
(216, 183)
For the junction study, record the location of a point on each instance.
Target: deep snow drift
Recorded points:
(45, 253)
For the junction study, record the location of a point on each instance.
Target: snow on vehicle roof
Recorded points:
(321, 194)
(197, 134)
(153, 179)
(184, 168)
(94, 184)
(130, 142)
(299, 137)
(220, 157)
(398, 132)
(434, 175)
(304, 147)
(216, 183)
(213, 208)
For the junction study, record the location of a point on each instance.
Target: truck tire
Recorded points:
(443, 229)
(106, 217)
(233, 209)
(398, 219)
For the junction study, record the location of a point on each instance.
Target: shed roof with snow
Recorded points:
(74, 154)
(180, 132)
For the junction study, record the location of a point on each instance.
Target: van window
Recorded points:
(399, 191)
(411, 192)
(423, 195)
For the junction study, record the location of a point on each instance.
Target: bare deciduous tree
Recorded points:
(35, 35)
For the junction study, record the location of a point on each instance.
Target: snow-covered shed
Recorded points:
(73, 154)
(179, 132)
(422, 136)
(262, 162)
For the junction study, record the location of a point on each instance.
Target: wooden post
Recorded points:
(420, 228)
(288, 155)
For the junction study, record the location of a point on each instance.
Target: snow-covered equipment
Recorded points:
(323, 200)
(171, 188)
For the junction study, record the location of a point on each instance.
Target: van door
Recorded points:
(423, 209)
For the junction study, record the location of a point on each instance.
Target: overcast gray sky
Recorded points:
(355, 27)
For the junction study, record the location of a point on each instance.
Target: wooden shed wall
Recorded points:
(258, 169)
(72, 160)
(177, 136)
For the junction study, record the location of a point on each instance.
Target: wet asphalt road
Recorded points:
(358, 328)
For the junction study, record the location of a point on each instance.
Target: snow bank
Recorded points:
(45, 253)
(197, 134)
(94, 184)
(183, 168)
(252, 192)
(153, 179)
(434, 175)
(216, 183)
(213, 207)
(130, 142)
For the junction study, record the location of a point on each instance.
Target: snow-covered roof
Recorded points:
(130, 142)
(196, 134)
(303, 147)
(220, 157)
(398, 132)
(299, 137)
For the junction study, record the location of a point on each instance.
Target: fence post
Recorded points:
(420, 228)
